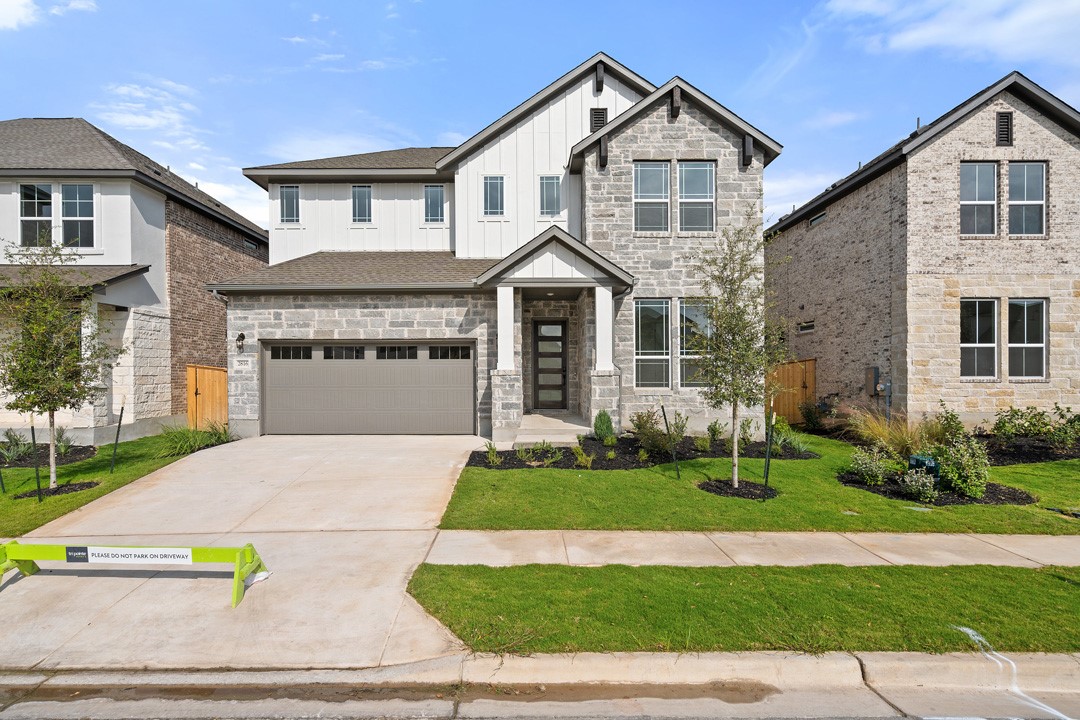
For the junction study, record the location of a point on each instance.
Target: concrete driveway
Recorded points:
(342, 522)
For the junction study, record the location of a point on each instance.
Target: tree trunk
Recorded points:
(52, 450)
(734, 444)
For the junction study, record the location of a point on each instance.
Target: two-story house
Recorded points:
(543, 266)
(948, 267)
(147, 241)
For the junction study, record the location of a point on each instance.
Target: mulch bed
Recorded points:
(626, 455)
(75, 454)
(58, 490)
(1025, 450)
(746, 490)
(995, 494)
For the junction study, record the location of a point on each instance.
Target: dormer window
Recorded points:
(597, 119)
(289, 197)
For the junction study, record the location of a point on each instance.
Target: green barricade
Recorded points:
(245, 560)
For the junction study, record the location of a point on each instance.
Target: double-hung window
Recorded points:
(978, 338)
(361, 203)
(652, 330)
(494, 196)
(35, 214)
(289, 199)
(978, 198)
(550, 202)
(434, 198)
(651, 196)
(77, 212)
(1027, 338)
(697, 196)
(693, 328)
(1027, 198)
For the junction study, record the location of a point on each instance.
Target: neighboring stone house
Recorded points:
(949, 264)
(540, 267)
(147, 243)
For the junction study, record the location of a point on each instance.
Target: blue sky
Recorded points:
(209, 86)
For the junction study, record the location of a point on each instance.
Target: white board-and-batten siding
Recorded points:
(558, 262)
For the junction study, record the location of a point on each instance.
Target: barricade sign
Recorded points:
(245, 560)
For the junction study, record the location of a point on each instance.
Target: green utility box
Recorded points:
(926, 463)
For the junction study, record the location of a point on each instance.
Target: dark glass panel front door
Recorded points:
(549, 364)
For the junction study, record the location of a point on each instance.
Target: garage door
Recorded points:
(364, 388)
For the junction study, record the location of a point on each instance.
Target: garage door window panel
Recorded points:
(449, 352)
(396, 352)
(343, 352)
(290, 352)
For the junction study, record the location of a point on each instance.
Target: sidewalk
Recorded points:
(712, 549)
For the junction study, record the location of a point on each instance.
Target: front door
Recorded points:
(549, 364)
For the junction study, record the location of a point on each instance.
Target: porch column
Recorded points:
(605, 338)
(504, 330)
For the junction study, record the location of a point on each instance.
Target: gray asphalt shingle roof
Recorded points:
(352, 270)
(82, 275)
(73, 144)
(414, 158)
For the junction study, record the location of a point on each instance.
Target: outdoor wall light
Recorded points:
(240, 342)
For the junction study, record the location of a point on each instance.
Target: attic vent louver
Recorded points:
(597, 119)
(1005, 128)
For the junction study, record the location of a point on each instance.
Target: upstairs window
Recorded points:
(1027, 338)
(697, 196)
(550, 202)
(693, 326)
(652, 330)
(1027, 198)
(289, 196)
(651, 196)
(361, 203)
(77, 211)
(494, 188)
(978, 338)
(434, 196)
(978, 198)
(35, 214)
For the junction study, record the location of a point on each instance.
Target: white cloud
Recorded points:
(451, 138)
(328, 57)
(789, 51)
(829, 119)
(154, 106)
(316, 17)
(295, 39)
(388, 63)
(245, 197)
(391, 11)
(195, 166)
(1011, 32)
(310, 146)
(783, 191)
(15, 14)
(70, 5)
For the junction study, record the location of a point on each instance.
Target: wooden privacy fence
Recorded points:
(799, 384)
(207, 396)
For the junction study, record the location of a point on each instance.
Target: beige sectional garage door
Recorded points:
(365, 388)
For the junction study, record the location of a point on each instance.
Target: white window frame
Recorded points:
(993, 203)
(37, 218)
(697, 201)
(558, 195)
(484, 213)
(357, 218)
(1042, 203)
(643, 199)
(652, 355)
(282, 220)
(442, 204)
(92, 218)
(996, 324)
(56, 219)
(684, 351)
(1044, 345)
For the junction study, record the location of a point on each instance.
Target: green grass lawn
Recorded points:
(810, 499)
(133, 460)
(548, 608)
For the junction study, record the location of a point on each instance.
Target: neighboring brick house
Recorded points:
(950, 263)
(148, 242)
(540, 267)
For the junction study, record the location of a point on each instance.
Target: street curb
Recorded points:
(1035, 672)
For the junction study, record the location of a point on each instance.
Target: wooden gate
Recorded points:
(207, 396)
(799, 384)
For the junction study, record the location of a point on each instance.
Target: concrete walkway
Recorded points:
(706, 549)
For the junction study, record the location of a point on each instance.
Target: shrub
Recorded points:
(965, 468)
(797, 443)
(493, 457)
(746, 432)
(610, 455)
(1064, 436)
(702, 444)
(1029, 422)
(642, 455)
(611, 441)
(813, 419)
(581, 459)
(870, 465)
(182, 440)
(525, 454)
(919, 485)
(64, 441)
(716, 431)
(15, 447)
(896, 435)
(652, 436)
(677, 428)
(554, 455)
(602, 426)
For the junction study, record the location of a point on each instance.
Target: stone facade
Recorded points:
(908, 223)
(661, 262)
(345, 317)
(200, 250)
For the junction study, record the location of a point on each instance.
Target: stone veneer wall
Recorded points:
(532, 310)
(847, 275)
(945, 266)
(661, 261)
(151, 356)
(369, 317)
(199, 250)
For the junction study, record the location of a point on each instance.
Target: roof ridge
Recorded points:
(107, 140)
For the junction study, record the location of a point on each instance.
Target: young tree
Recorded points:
(52, 352)
(737, 344)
